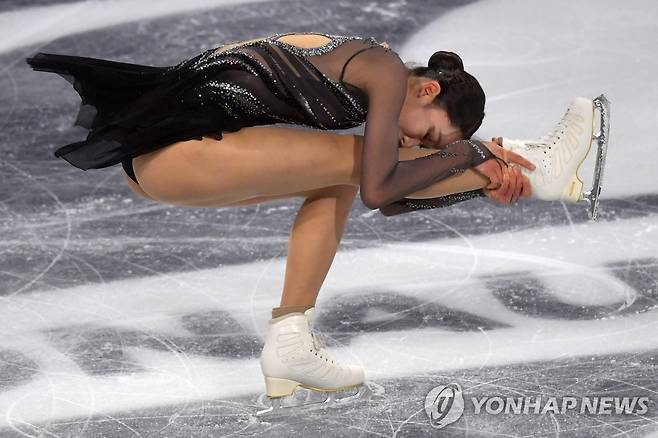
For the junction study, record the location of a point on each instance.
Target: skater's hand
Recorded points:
(493, 170)
(507, 155)
(514, 185)
(496, 171)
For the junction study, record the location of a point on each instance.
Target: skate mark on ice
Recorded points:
(591, 376)
(222, 336)
(387, 311)
(641, 275)
(97, 255)
(15, 369)
(528, 295)
(102, 350)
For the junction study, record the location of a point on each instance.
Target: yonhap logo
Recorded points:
(444, 405)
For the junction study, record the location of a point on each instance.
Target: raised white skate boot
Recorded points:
(558, 155)
(293, 358)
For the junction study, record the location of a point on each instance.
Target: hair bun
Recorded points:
(448, 62)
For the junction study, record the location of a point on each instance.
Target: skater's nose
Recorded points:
(407, 142)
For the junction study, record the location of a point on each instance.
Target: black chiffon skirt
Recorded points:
(129, 109)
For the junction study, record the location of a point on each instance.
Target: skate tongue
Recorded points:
(310, 315)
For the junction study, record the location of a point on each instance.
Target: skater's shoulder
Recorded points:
(381, 70)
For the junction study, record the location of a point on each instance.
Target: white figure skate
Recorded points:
(298, 372)
(558, 156)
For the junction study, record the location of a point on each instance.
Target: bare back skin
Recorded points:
(261, 163)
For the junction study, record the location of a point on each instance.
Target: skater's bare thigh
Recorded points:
(136, 189)
(260, 161)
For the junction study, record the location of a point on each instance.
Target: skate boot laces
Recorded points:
(558, 130)
(545, 141)
(318, 345)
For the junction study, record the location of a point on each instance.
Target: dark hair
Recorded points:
(461, 95)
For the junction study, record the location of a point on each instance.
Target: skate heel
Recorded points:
(574, 190)
(276, 387)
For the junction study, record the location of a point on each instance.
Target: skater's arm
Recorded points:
(468, 180)
(445, 193)
(450, 191)
(514, 185)
(455, 189)
(383, 178)
(406, 205)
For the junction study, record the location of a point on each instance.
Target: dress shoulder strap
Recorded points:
(351, 57)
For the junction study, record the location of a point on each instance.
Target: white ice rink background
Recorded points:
(532, 58)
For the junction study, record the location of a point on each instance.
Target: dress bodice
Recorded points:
(268, 80)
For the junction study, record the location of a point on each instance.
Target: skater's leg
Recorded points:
(559, 155)
(259, 161)
(463, 182)
(313, 242)
(263, 163)
(135, 187)
(290, 345)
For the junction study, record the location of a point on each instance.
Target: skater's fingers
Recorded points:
(493, 194)
(491, 170)
(518, 159)
(511, 178)
(495, 146)
(525, 189)
(519, 184)
(514, 184)
(504, 187)
(529, 186)
(500, 171)
(501, 194)
(491, 186)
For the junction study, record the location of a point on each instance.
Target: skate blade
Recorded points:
(591, 197)
(304, 400)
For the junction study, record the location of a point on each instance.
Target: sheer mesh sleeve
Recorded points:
(406, 205)
(384, 179)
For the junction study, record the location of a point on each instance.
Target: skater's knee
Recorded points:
(343, 193)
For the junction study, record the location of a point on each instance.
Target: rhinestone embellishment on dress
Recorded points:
(246, 106)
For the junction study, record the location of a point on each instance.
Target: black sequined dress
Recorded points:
(132, 109)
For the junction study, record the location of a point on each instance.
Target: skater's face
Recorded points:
(421, 121)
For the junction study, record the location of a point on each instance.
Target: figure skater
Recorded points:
(191, 135)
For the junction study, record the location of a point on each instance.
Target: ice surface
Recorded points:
(57, 20)
(124, 317)
(532, 58)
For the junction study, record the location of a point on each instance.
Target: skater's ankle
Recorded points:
(284, 310)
